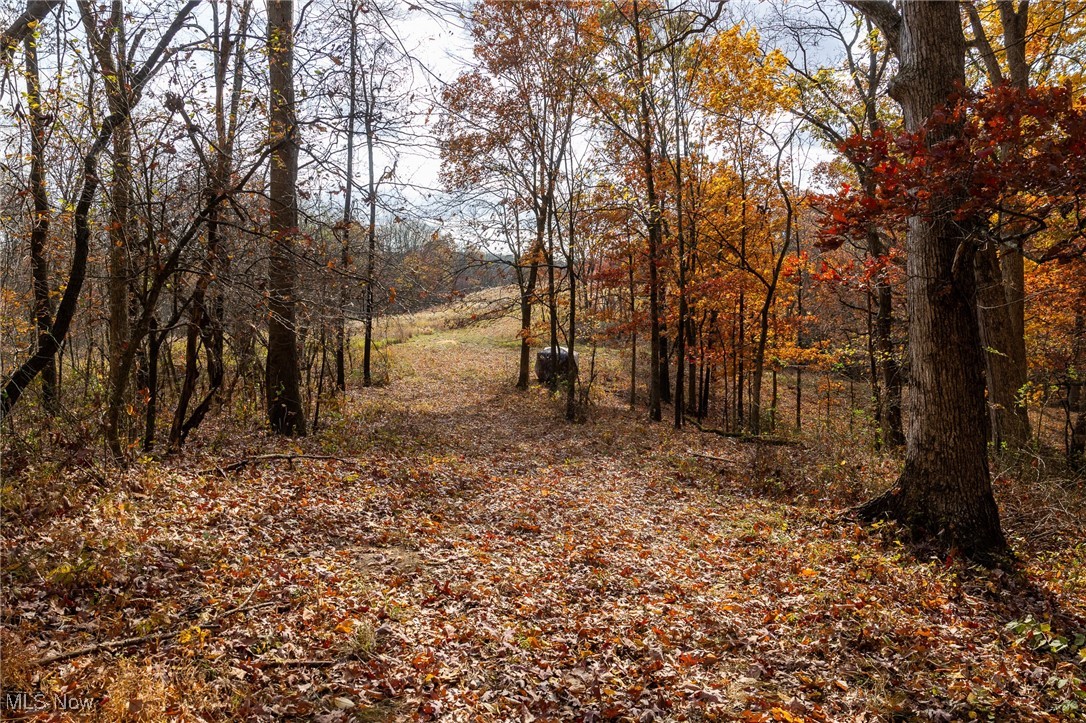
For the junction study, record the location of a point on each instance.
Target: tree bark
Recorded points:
(39, 231)
(1076, 395)
(658, 357)
(944, 493)
(285, 411)
(633, 329)
(572, 369)
(371, 232)
(1001, 271)
(111, 52)
(1004, 353)
(342, 338)
(527, 297)
(1011, 422)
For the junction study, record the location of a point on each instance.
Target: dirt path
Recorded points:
(469, 555)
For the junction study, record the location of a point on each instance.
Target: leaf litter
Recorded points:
(460, 553)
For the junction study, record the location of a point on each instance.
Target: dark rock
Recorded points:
(545, 366)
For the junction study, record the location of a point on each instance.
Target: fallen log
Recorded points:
(749, 438)
(290, 457)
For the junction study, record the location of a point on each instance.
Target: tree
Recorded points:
(38, 121)
(348, 195)
(109, 45)
(509, 122)
(743, 95)
(633, 35)
(285, 410)
(23, 26)
(837, 103)
(207, 315)
(944, 492)
(1000, 266)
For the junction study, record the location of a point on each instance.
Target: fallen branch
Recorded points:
(709, 456)
(110, 645)
(246, 461)
(748, 438)
(282, 662)
(248, 597)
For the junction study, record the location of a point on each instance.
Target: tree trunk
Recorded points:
(111, 52)
(371, 233)
(755, 422)
(658, 357)
(285, 412)
(1004, 354)
(681, 330)
(39, 231)
(633, 333)
(154, 345)
(526, 298)
(692, 373)
(1001, 272)
(944, 493)
(889, 373)
(1076, 395)
(552, 297)
(571, 367)
(664, 380)
(342, 338)
(740, 353)
(119, 336)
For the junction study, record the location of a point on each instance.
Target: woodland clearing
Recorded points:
(448, 548)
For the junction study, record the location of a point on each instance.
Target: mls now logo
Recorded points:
(26, 702)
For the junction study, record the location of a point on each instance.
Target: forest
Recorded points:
(543, 360)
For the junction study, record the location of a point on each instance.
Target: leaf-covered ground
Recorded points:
(451, 549)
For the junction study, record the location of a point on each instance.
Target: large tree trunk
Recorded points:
(285, 412)
(944, 492)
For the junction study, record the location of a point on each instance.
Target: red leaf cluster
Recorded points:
(1002, 162)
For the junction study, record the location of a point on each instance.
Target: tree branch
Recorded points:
(885, 17)
(36, 10)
